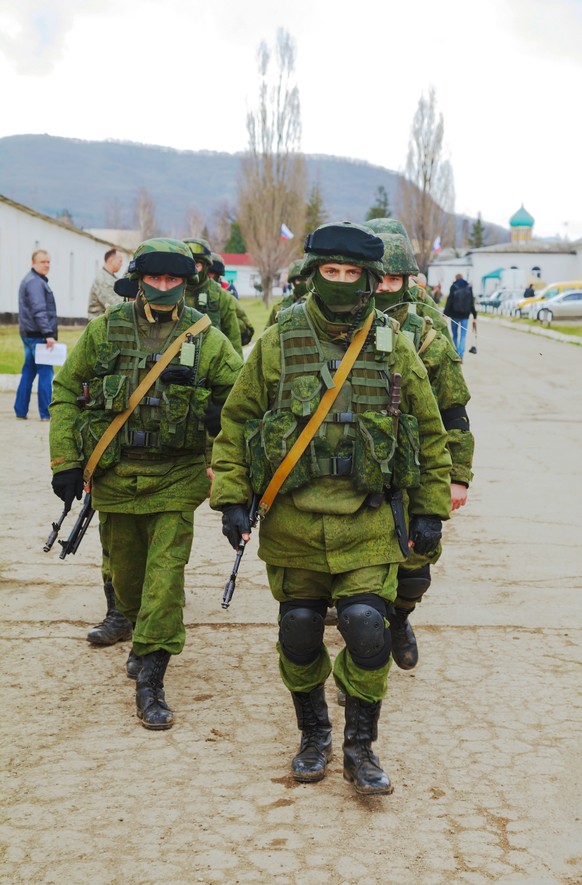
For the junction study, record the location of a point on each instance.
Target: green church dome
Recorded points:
(522, 218)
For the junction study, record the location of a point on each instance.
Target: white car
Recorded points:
(568, 305)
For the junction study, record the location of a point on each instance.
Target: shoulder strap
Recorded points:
(430, 336)
(138, 394)
(310, 429)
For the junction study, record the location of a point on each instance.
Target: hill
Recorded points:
(97, 182)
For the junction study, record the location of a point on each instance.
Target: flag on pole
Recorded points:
(286, 234)
(436, 246)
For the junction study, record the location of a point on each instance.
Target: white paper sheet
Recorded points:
(55, 357)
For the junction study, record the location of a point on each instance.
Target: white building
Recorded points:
(76, 257)
(512, 265)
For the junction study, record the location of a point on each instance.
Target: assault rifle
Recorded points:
(231, 583)
(394, 496)
(71, 545)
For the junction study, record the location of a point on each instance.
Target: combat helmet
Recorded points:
(345, 243)
(200, 250)
(161, 255)
(398, 258)
(217, 266)
(295, 270)
(387, 226)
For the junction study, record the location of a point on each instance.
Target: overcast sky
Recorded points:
(182, 73)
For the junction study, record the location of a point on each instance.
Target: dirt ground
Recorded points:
(482, 740)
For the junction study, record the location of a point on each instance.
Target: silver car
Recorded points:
(568, 305)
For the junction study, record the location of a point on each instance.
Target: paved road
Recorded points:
(482, 741)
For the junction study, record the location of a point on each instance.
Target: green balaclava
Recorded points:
(343, 243)
(161, 256)
(398, 260)
(296, 279)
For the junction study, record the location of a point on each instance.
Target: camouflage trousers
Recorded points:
(414, 562)
(295, 584)
(147, 557)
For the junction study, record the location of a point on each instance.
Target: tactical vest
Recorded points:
(169, 420)
(359, 439)
(205, 300)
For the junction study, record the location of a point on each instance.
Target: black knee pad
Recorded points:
(361, 623)
(301, 628)
(412, 585)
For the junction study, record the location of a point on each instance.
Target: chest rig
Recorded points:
(206, 300)
(168, 420)
(357, 439)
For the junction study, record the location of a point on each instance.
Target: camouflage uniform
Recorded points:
(299, 292)
(152, 476)
(102, 294)
(452, 395)
(327, 539)
(208, 296)
(217, 270)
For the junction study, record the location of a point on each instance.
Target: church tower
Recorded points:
(521, 225)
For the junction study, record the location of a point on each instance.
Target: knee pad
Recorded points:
(301, 629)
(412, 585)
(361, 623)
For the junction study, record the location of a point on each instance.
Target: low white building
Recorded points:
(76, 257)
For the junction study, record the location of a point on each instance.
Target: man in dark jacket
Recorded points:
(459, 307)
(37, 322)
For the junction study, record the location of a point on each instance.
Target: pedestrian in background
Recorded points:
(459, 307)
(37, 323)
(102, 294)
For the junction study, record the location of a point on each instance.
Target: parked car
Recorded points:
(568, 305)
(497, 299)
(523, 307)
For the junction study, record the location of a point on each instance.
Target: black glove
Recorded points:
(212, 418)
(68, 485)
(425, 532)
(178, 375)
(235, 521)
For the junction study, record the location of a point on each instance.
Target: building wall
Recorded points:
(75, 259)
(553, 267)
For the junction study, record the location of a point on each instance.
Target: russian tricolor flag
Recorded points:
(286, 234)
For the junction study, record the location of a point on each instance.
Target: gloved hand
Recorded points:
(425, 532)
(212, 417)
(235, 522)
(68, 485)
(178, 375)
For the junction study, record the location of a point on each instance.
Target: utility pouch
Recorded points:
(374, 451)
(89, 428)
(305, 395)
(108, 393)
(174, 415)
(260, 470)
(279, 434)
(407, 455)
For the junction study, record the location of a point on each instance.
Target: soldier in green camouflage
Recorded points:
(208, 296)
(448, 384)
(426, 306)
(152, 476)
(298, 292)
(330, 535)
(217, 270)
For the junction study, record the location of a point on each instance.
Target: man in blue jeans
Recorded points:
(459, 307)
(37, 323)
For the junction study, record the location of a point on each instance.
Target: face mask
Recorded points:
(386, 300)
(339, 297)
(299, 290)
(164, 299)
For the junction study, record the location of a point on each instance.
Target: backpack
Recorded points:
(462, 299)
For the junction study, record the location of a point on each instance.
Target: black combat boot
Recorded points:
(404, 647)
(361, 765)
(114, 627)
(315, 747)
(133, 664)
(149, 697)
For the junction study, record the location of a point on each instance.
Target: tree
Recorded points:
(381, 208)
(426, 192)
(273, 183)
(235, 244)
(194, 224)
(477, 238)
(315, 212)
(145, 214)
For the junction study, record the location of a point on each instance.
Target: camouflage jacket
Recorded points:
(318, 527)
(225, 316)
(102, 295)
(151, 484)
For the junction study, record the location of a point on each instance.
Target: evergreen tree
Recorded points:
(381, 208)
(235, 243)
(477, 238)
(315, 213)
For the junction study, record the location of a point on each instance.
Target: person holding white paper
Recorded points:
(37, 322)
